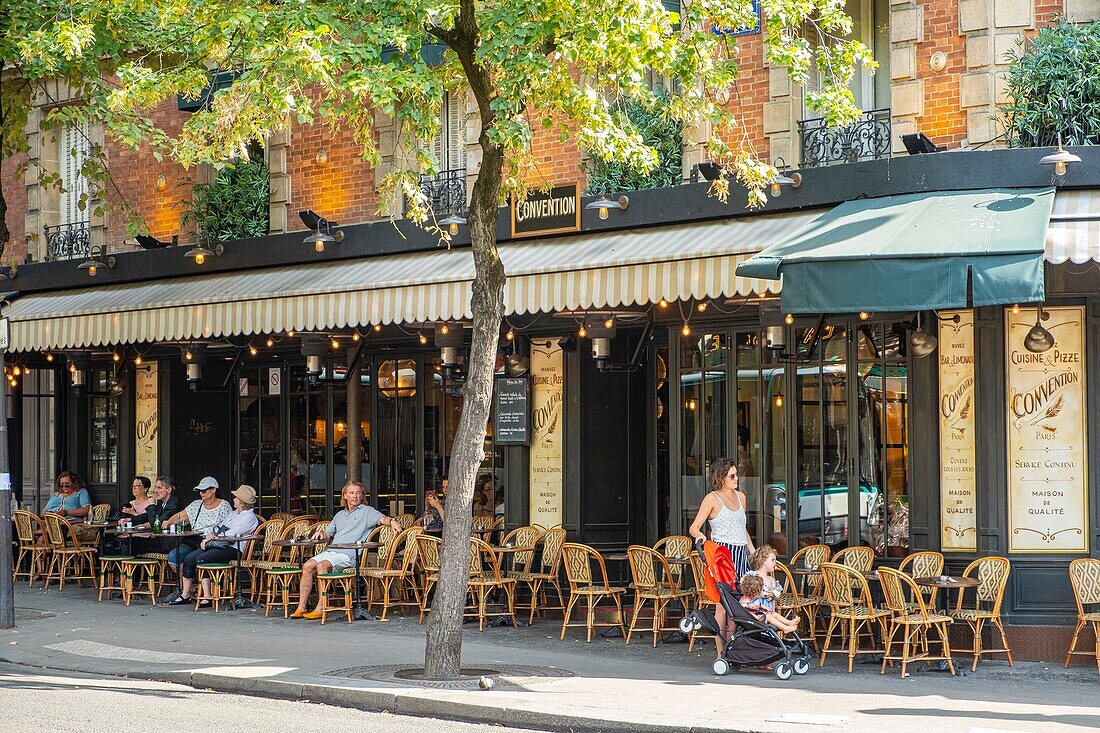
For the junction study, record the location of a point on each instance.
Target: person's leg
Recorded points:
(215, 554)
(188, 572)
(720, 620)
(305, 586)
(324, 566)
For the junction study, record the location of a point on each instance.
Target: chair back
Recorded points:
(788, 583)
(272, 530)
(857, 558)
(427, 550)
(24, 526)
(553, 540)
(923, 564)
(649, 568)
(409, 545)
(813, 555)
(482, 557)
(284, 517)
(1084, 576)
(406, 520)
(498, 523)
(482, 522)
(578, 565)
(992, 574)
(895, 585)
(677, 545)
(98, 513)
(522, 537)
(840, 580)
(312, 529)
(58, 532)
(392, 544)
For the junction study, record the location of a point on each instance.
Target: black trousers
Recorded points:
(210, 554)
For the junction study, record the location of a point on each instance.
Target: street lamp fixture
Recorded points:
(603, 204)
(324, 231)
(96, 260)
(1060, 158)
(198, 253)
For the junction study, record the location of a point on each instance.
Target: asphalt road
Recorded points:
(70, 702)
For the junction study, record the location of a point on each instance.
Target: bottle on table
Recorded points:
(156, 524)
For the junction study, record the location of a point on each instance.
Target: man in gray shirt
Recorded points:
(350, 525)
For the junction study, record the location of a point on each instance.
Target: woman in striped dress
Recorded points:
(724, 508)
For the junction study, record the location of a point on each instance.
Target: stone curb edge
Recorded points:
(387, 702)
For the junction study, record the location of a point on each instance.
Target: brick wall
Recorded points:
(15, 195)
(341, 190)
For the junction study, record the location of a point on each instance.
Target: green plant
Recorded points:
(658, 130)
(1053, 87)
(235, 206)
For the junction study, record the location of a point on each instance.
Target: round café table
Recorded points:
(359, 612)
(947, 584)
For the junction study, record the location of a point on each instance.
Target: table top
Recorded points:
(96, 525)
(614, 556)
(307, 542)
(150, 534)
(511, 548)
(803, 570)
(355, 546)
(943, 581)
(677, 560)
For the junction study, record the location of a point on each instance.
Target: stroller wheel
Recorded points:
(721, 666)
(801, 665)
(783, 670)
(688, 624)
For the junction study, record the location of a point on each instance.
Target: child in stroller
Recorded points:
(751, 642)
(752, 598)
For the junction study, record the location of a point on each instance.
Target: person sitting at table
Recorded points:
(242, 521)
(762, 564)
(203, 514)
(752, 598)
(350, 525)
(165, 504)
(71, 499)
(436, 507)
(141, 501)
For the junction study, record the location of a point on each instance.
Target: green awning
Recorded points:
(947, 249)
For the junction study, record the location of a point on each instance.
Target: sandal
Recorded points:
(180, 600)
(204, 603)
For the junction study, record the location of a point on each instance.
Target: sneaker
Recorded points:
(180, 600)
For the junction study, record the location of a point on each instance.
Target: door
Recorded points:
(259, 440)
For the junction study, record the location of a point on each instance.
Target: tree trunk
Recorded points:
(443, 654)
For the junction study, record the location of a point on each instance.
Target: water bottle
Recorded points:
(156, 525)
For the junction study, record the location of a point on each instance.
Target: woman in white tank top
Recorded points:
(724, 508)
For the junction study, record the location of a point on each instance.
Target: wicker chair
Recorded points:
(28, 527)
(521, 541)
(545, 573)
(992, 574)
(427, 551)
(1084, 575)
(659, 587)
(66, 552)
(792, 600)
(675, 547)
(485, 578)
(483, 525)
(99, 513)
(923, 564)
(261, 556)
(578, 570)
(897, 589)
(406, 520)
(396, 577)
(699, 578)
(859, 558)
(850, 612)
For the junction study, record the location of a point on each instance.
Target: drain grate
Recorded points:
(31, 614)
(507, 676)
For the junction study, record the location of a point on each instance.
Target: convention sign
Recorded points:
(958, 486)
(547, 381)
(547, 212)
(145, 420)
(1046, 423)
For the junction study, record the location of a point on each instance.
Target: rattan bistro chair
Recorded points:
(395, 580)
(68, 558)
(793, 601)
(427, 553)
(913, 626)
(923, 564)
(654, 582)
(28, 527)
(545, 573)
(850, 613)
(1084, 575)
(676, 547)
(578, 569)
(992, 574)
(485, 578)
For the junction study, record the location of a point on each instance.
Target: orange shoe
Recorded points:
(312, 615)
(298, 613)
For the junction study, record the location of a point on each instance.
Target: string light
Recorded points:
(270, 342)
(290, 334)
(864, 315)
(510, 336)
(1015, 309)
(686, 330)
(187, 355)
(789, 319)
(116, 357)
(609, 323)
(582, 331)
(137, 360)
(355, 337)
(378, 328)
(253, 350)
(423, 340)
(662, 304)
(16, 370)
(72, 368)
(335, 344)
(444, 329)
(701, 307)
(49, 356)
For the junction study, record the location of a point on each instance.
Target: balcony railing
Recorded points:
(67, 241)
(446, 191)
(866, 139)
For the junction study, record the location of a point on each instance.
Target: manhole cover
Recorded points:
(507, 676)
(31, 614)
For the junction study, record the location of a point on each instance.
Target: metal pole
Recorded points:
(7, 583)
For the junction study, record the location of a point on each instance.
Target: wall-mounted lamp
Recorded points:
(601, 330)
(1060, 159)
(321, 158)
(781, 179)
(448, 339)
(162, 182)
(921, 342)
(193, 357)
(96, 259)
(603, 204)
(453, 222)
(313, 349)
(198, 253)
(1039, 339)
(324, 231)
(79, 363)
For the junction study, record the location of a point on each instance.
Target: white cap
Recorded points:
(208, 482)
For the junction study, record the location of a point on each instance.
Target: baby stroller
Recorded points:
(753, 643)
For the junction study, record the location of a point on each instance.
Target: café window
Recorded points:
(103, 429)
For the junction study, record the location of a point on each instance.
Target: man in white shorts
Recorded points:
(351, 524)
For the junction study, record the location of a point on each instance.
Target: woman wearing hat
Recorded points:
(241, 521)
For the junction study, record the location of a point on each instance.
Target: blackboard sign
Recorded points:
(546, 212)
(511, 424)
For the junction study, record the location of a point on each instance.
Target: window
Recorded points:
(74, 149)
(39, 436)
(449, 146)
(103, 435)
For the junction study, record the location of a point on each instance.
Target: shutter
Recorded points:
(455, 119)
(438, 144)
(73, 151)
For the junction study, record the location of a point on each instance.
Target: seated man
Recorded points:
(351, 524)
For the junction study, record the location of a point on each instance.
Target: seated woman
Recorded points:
(203, 514)
(242, 521)
(752, 589)
(136, 509)
(71, 500)
(434, 512)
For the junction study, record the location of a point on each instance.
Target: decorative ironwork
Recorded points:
(866, 139)
(67, 241)
(446, 192)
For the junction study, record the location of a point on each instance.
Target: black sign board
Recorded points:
(511, 424)
(547, 212)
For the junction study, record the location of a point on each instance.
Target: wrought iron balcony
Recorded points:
(67, 241)
(446, 191)
(866, 139)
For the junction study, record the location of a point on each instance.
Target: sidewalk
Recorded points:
(544, 683)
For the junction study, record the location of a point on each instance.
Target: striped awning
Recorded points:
(574, 273)
(1074, 231)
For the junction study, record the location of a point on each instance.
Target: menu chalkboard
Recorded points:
(511, 423)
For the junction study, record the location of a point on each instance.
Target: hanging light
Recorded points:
(335, 343)
(781, 179)
(355, 336)
(662, 304)
(701, 307)
(1015, 309)
(1038, 339)
(137, 360)
(603, 204)
(1060, 158)
(313, 349)
(922, 343)
(116, 357)
(324, 231)
(423, 340)
(252, 350)
(198, 253)
(789, 319)
(864, 315)
(95, 261)
(453, 222)
(319, 239)
(49, 356)
(686, 330)
(510, 335)
(194, 358)
(270, 342)
(378, 328)
(582, 331)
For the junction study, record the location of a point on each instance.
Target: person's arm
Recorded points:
(696, 529)
(85, 501)
(437, 505)
(53, 504)
(391, 522)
